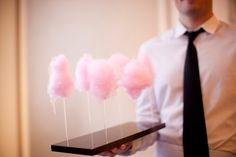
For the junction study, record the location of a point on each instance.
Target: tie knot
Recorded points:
(192, 35)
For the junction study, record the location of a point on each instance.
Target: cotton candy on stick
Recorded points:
(138, 74)
(102, 82)
(118, 62)
(60, 82)
(82, 83)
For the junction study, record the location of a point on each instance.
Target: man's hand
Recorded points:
(122, 150)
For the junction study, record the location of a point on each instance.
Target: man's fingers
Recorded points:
(107, 153)
(121, 149)
(123, 146)
(116, 151)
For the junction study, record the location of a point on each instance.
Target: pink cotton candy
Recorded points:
(81, 73)
(60, 81)
(118, 62)
(138, 74)
(102, 79)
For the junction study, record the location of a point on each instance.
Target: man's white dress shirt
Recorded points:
(164, 101)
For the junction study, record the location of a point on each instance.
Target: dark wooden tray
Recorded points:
(116, 136)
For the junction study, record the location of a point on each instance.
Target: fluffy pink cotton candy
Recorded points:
(138, 74)
(118, 62)
(102, 79)
(81, 73)
(60, 81)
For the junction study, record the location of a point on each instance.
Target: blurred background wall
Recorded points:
(34, 31)
(9, 94)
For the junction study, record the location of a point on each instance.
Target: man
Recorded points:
(216, 53)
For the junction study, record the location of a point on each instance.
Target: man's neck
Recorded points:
(192, 23)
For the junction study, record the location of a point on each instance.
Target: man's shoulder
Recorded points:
(228, 28)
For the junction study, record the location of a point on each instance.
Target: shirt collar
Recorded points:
(209, 26)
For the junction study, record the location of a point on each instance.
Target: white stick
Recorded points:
(65, 118)
(104, 119)
(90, 119)
(120, 117)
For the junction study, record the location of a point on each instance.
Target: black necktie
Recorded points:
(194, 127)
